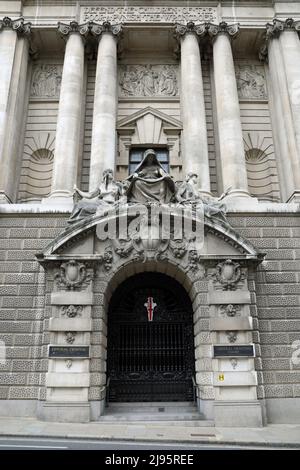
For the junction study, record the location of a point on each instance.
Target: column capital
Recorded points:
(223, 28)
(277, 26)
(273, 31)
(97, 29)
(73, 27)
(180, 30)
(17, 25)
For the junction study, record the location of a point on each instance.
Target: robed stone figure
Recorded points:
(150, 182)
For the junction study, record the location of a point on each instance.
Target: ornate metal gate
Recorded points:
(151, 342)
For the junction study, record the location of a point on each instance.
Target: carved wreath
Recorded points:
(228, 274)
(72, 275)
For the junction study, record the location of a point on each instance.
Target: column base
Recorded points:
(238, 414)
(61, 412)
(294, 197)
(237, 193)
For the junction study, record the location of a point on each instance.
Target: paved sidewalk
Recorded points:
(276, 435)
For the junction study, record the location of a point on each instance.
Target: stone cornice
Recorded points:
(17, 25)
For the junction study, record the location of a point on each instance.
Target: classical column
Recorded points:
(232, 152)
(103, 149)
(67, 142)
(13, 73)
(195, 148)
(284, 135)
(290, 46)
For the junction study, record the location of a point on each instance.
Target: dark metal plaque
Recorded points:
(246, 350)
(69, 351)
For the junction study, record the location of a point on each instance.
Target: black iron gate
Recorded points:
(150, 341)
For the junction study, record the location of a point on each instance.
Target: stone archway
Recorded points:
(83, 271)
(150, 354)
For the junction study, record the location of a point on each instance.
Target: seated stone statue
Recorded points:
(188, 193)
(104, 196)
(150, 182)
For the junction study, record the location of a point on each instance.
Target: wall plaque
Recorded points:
(246, 350)
(138, 14)
(69, 351)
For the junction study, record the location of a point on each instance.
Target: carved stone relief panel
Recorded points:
(148, 80)
(141, 14)
(46, 80)
(251, 82)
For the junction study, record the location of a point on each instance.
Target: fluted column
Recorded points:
(232, 152)
(194, 146)
(103, 149)
(284, 134)
(13, 71)
(67, 142)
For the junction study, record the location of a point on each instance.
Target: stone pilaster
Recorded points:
(103, 149)
(234, 173)
(283, 50)
(195, 147)
(67, 143)
(14, 49)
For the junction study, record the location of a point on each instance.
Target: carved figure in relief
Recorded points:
(46, 81)
(148, 80)
(107, 194)
(150, 182)
(251, 83)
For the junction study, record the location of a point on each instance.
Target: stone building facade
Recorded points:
(214, 88)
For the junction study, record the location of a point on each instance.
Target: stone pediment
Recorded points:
(149, 114)
(220, 241)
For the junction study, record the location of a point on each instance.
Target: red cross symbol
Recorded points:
(150, 306)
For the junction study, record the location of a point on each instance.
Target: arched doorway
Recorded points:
(150, 340)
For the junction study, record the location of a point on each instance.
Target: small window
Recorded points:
(136, 156)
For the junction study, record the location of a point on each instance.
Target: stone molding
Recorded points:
(18, 25)
(222, 28)
(190, 28)
(74, 27)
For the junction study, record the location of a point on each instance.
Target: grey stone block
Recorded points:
(276, 364)
(8, 315)
(28, 339)
(39, 221)
(8, 290)
(15, 326)
(20, 255)
(94, 393)
(27, 290)
(278, 390)
(50, 232)
(259, 222)
(271, 312)
(285, 325)
(24, 233)
(267, 243)
(4, 393)
(30, 266)
(281, 277)
(11, 244)
(287, 221)
(293, 312)
(288, 242)
(4, 232)
(280, 232)
(19, 365)
(280, 254)
(284, 301)
(13, 379)
(35, 244)
(24, 392)
(17, 352)
(18, 278)
(282, 351)
(274, 338)
(290, 376)
(268, 289)
(269, 377)
(290, 265)
(33, 378)
(15, 302)
(291, 288)
(3, 255)
(10, 267)
(10, 221)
